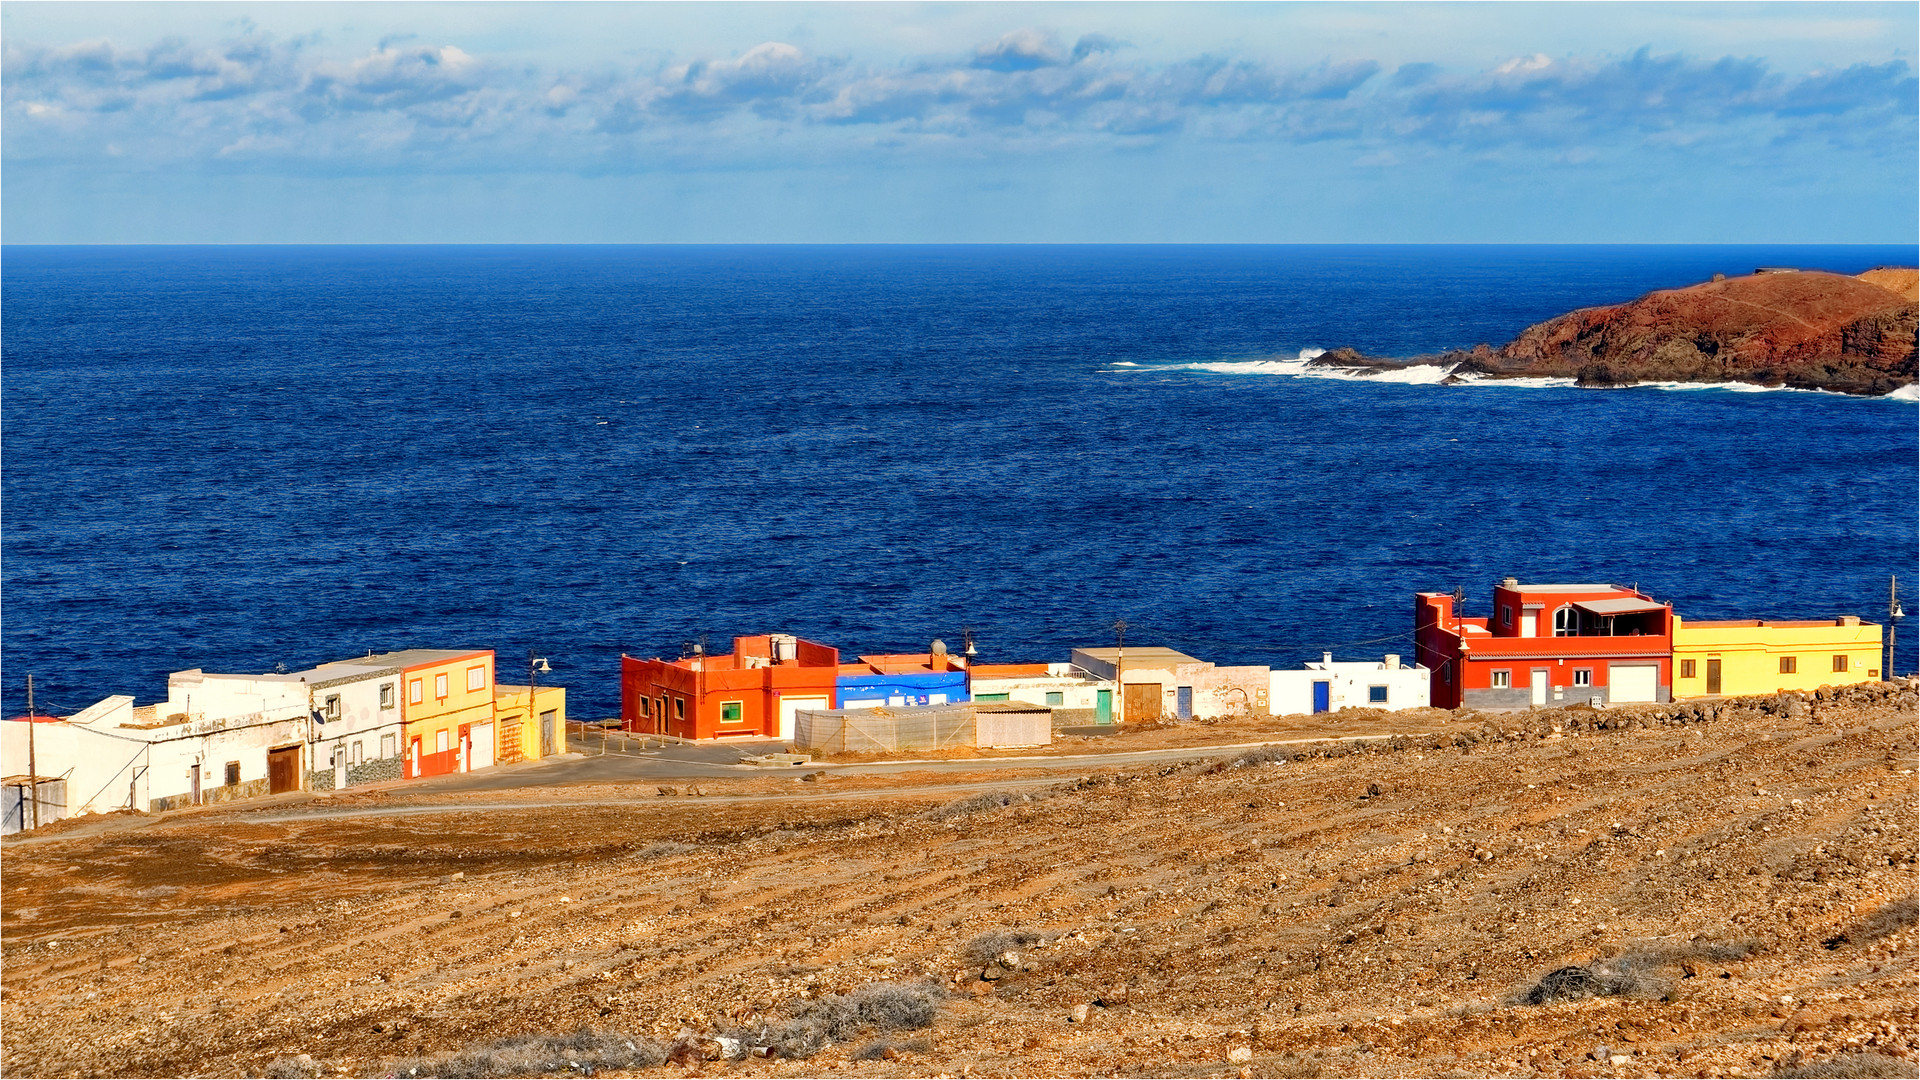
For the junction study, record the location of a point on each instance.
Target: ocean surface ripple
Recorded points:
(233, 458)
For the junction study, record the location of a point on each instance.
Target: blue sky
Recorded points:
(1084, 122)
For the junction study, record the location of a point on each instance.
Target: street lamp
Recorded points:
(1894, 615)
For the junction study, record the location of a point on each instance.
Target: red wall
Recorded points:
(758, 691)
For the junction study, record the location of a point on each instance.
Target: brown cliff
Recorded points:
(1805, 329)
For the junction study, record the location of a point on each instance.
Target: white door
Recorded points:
(1539, 686)
(480, 756)
(791, 705)
(1632, 682)
(1529, 624)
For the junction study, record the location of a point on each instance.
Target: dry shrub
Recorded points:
(538, 1055)
(877, 1050)
(814, 1025)
(974, 804)
(1639, 971)
(302, 1067)
(988, 947)
(1846, 1067)
(662, 849)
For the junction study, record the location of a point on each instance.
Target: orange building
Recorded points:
(753, 691)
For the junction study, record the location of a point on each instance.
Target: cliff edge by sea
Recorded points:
(1776, 327)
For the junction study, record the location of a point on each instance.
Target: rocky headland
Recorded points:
(1807, 329)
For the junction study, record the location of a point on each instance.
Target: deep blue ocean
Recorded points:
(233, 458)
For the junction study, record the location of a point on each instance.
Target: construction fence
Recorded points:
(922, 728)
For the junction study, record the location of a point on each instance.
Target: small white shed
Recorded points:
(1327, 686)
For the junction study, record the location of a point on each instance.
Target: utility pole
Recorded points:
(1120, 669)
(33, 765)
(532, 723)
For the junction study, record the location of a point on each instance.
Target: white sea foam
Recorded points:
(1300, 367)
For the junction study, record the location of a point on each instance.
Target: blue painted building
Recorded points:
(900, 679)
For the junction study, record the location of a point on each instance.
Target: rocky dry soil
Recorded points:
(1717, 890)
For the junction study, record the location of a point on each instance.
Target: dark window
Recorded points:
(233, 773)
(1377, 695)
(1789, 665)
(1566, 622)
(333, 706)
(386, 695)
(679, 708)
(1506, 615)
(646, 706)
(1839, 663)
(1583, 676)
(1686, 669)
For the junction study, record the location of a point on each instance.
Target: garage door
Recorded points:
(791, 705)
(482, 751)
(1632, 682)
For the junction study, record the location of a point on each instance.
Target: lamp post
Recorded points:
(1894, 615)
(1120, 669)
(535, 665)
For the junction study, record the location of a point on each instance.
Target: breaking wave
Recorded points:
(1302, 367)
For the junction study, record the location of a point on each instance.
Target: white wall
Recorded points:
(1076, 691)
(1407, 686)
(361, 718)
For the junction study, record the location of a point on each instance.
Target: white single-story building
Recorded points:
(1161, 682)
(1069, 690)
(1327, 686)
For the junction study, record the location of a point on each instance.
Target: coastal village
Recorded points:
(429, 712)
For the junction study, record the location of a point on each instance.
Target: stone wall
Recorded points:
(368, 772)
(320, 779)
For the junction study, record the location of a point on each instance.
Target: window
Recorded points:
(440, 686)
(1506, 615)
(389, 745)
(476, 678)
(1839, 663)
(646, 707)
(730, 712)
(413, 692)
(1873, 673)
(332, 709)
(1686, 669)
(1566, 622)
(1056, 697)
(386, 695)
(1377, 695)
(233, 773)
(1584, 676)
(440, 738)
(1502, 679)
(354, 756)
(679, 708)
(1789, 665)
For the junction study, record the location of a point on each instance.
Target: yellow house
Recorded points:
(1733, 657)
(545, 736)
(446, 709)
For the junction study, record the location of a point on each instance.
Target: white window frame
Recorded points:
(440, 686)
(1502, 679)
(389, 746)
(440, 741)
(1566, 622)
(416, 692)
(1583, 676)
(357, 754)
(476, 678)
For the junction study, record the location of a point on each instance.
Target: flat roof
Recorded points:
(1622, 606)
(1009, 671)
(1562, 588)
(1141, 654)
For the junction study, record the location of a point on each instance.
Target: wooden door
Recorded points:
(283, 769)
(1713, 676)
(1142, 702)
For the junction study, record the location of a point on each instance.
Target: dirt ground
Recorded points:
(1735, 881)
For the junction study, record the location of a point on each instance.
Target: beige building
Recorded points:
(1157, 682)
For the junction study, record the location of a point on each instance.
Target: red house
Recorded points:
(1547, 645)
(754, 690)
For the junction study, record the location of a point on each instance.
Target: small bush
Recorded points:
(814, 1025)
(974, 804)
(536, 1055)
(986, 948)
(877, 1050)
(1846, 1067)
(294, 1068)
(662, 849)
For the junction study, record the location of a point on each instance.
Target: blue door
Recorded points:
(1183, 702)
(1323, 697)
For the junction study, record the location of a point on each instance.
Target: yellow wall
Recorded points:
(433, 714)
(510, 710)
(1750, 657)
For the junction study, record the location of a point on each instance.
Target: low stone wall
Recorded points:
(320, 780)
(1066, 718)
(368, 772)
(246, 789)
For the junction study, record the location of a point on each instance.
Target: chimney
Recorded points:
(1326, 658)
(937, 656)
(1847, 620)
(1393, 661)
(1509, 583)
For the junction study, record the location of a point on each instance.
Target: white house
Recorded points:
(1326, 686)
(1061, 687)
(356, 721)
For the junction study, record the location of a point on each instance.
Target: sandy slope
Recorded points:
(1372, 913)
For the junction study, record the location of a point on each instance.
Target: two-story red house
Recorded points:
(754, 690)
(1547, 645)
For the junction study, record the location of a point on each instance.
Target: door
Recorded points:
(1632, 682)
(416, 757)
(193, 781)
(465, 764)
(1529, 624)
(791, 705)
(1539, 686)
(339, 766)
(1103, 707)
(480, 747)
(1323, 697)
(283, 769)
(1142, 701)
(1713, 676)
(546, 733)
(1183, 702)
